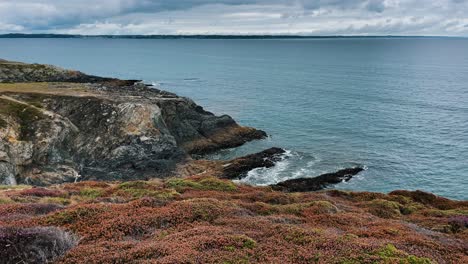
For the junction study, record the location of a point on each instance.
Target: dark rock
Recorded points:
(317, 183)
(238, 168)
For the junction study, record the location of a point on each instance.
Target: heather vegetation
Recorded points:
(210, 220)
(34, 245)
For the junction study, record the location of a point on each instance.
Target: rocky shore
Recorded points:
(101, 170)
(59, 126)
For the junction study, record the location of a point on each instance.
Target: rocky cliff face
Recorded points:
(73, 126)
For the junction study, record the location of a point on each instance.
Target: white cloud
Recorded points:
(364, 17)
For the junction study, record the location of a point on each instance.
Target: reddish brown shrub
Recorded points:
(431, 199)
(216, 222)
(29, 209)
(41, 192)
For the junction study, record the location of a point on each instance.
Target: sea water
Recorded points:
(398, 106)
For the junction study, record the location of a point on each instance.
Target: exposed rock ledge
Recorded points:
(238, 168)
(58, 125)
(316, 183)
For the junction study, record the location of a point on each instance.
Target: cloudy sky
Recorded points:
(307, 17)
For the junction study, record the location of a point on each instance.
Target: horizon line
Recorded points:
(238, 36)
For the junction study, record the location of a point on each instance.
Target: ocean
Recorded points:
(398, 106)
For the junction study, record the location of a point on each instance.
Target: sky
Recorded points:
(300, 17)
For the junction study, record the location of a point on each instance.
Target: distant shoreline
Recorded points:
(20, 35)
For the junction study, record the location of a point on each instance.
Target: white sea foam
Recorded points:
(156, 84)
(268, 176)
(306, 170)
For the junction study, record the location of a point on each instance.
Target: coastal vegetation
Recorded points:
(210, 220)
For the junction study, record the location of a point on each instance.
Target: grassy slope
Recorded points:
(70, 89)
(207, 220)
(25, 114)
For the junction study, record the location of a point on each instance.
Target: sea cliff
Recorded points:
(59, 125)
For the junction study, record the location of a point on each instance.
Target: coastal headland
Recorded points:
(102, 170)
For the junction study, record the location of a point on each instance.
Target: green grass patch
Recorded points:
(140, 189)
(390, 254)
(240, 242)
(299, 237)
(6, 201)
(386, 254)
(14, 187)
(384, 209)
(444, 213)
(91, 193)
(24, 114)
(35, 100)
(71, 216)
(134, 185)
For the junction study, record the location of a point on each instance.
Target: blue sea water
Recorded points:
(398, 106)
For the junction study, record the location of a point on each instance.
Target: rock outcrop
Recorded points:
(74, 126)
(316, 183)
(234, 169)
(238, 168)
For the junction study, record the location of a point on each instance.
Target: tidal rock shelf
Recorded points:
(317, 183)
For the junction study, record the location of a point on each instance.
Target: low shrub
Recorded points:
(206, 184)
(72, 215)
(384, 208)
(5, 200)
(75, 188)
(458, 223)
(300, 236)
(431, 199)
(322, 207)
(91, 184)
(140, 193)
(29, 209)
(42, 192)
(55, 200)
(443, 213)
(24, 199)
(199, 209)
(91, 193)
(390, 254)
(34, 245)
(411, 208)
(215, 184)
(260, 208)
(140, 189)
(211, 223)
(131, 185)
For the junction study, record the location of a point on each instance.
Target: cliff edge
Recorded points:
(59, 125)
